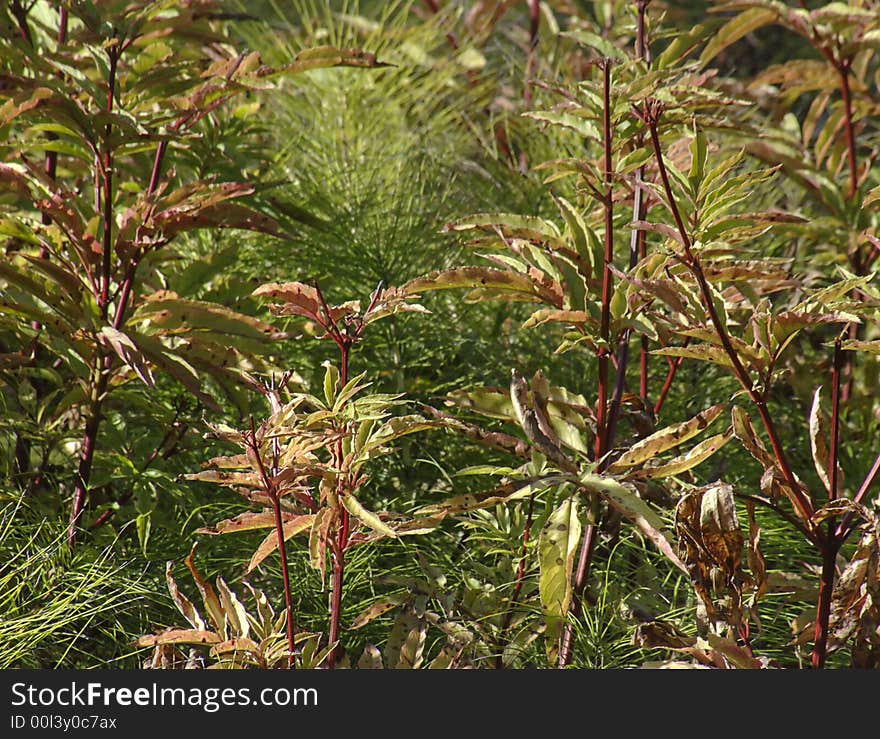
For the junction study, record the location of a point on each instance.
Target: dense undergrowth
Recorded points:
(448, 334)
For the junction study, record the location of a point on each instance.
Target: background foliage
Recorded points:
(163, 161)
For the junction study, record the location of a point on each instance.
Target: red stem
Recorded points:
(832, 541)
(587, 543)
(607, 278)
(89, 441)
(341, 543)
(674, 364)
(106, 171)
(801, 503)
(835, 418)
(520, 576)
(843, 69)
(826, 591)
(580, 579)
(20, 15)
(643, 52)
(272, 491)
(101, 369)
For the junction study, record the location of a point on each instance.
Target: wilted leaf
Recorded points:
(180, 636)
(719, 527)
(128, 352)
(242, 522)
(236, 615)
(383, 605)
(184, 604)
(371, 659)
(212, 604)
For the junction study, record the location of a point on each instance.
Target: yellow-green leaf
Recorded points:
(557, 545)
(368, 518)
(667, 438)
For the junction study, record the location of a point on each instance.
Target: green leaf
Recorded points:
(698, 158)
(737, 27)
(144, 524)
(557, 545)
(571, 120)
(603, 47)
(854, 345)
(331, 383)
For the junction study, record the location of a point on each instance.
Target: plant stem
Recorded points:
(20, 14)
(832, 539)
(341, 543)
(587, 543)
(843, 69)
(520, 576)
(102, 361)
(835, 419)
(801, 503)
(674, 364)
(608, 257)
(643, 52)
(272, 491)
(98, 385)
(531, 62)
(580, 580)
(826, 591)
(106, 171)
